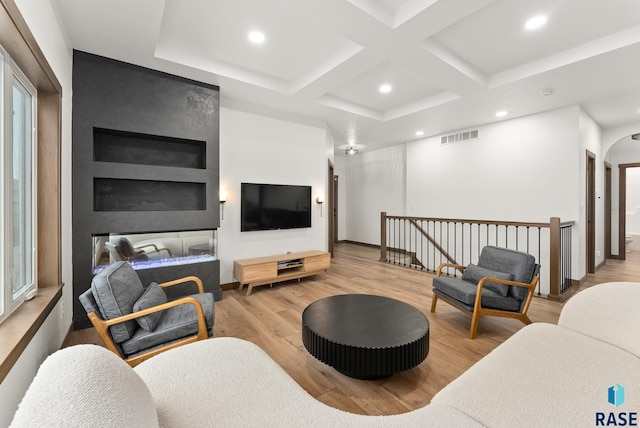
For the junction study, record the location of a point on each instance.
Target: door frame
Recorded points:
(607, 210)
(330, 208)
(336, 199)
(622, 207)
(591, 212)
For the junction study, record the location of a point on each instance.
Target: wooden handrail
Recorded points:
(489, 222)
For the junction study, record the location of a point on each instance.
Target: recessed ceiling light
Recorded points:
(535, 22)
(419, 133)
(501, 113)
(256, 37)
(385, 89)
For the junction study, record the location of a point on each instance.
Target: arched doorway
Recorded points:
(622, 155)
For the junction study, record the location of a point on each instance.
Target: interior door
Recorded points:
(607, 210)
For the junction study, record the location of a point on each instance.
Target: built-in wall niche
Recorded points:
(115, 194)
(142, 149)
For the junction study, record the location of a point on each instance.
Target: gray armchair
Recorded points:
(136, 323)
(501, 285)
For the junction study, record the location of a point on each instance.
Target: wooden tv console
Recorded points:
(282, 267)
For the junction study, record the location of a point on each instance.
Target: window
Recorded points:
(17, 186)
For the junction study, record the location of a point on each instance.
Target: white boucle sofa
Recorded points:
(544, 375)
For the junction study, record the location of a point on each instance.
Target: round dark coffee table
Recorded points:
(365, 336)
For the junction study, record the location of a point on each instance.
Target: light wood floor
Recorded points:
(271, 318)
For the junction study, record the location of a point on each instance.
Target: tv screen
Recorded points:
(274, 206)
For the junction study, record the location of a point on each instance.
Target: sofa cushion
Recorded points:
(545, 376)
(475, 273)
(116, 289)
(86, 386)
(176, 322)
(152, 296)
(520, 265)
(465, 292)
(607, 312)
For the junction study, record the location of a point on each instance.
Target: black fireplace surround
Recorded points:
(145, 155)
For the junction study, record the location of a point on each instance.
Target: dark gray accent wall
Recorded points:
(139, 104)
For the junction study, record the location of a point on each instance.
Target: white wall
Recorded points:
(523, 169)
(42, 21)
(260, 149)
(527, 169)
(370, 183)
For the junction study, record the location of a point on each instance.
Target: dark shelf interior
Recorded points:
(111, 194)
(143, 149)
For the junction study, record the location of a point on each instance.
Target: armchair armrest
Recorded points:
(140, 247)
(530, 286)
(507, 282)
(181, 301)
(155, 249)
(451, 265)
(194, 279)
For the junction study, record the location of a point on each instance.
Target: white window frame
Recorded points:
(10, 73)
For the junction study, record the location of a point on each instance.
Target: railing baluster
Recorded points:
(506, 236)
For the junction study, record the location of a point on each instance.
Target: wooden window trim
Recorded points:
(17, 331)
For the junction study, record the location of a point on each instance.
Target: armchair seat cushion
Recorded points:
(175, 323)
(464, 292)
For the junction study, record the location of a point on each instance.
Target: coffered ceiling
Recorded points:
(451, 64)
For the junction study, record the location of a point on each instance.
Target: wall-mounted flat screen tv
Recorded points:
(274, 206)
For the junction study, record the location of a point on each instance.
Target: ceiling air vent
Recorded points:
(460, 136)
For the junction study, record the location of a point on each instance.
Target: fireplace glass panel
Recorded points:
(152, 250)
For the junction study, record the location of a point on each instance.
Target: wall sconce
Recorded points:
(320, 201)
(223, 199)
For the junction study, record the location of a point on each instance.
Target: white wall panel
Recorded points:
(523, 169)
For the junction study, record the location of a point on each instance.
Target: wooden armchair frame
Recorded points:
(102, 326)
(478, 310)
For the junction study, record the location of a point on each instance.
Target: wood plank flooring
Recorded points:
(271, 318)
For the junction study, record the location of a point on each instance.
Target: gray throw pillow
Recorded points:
(473, 273)
(153, 296)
